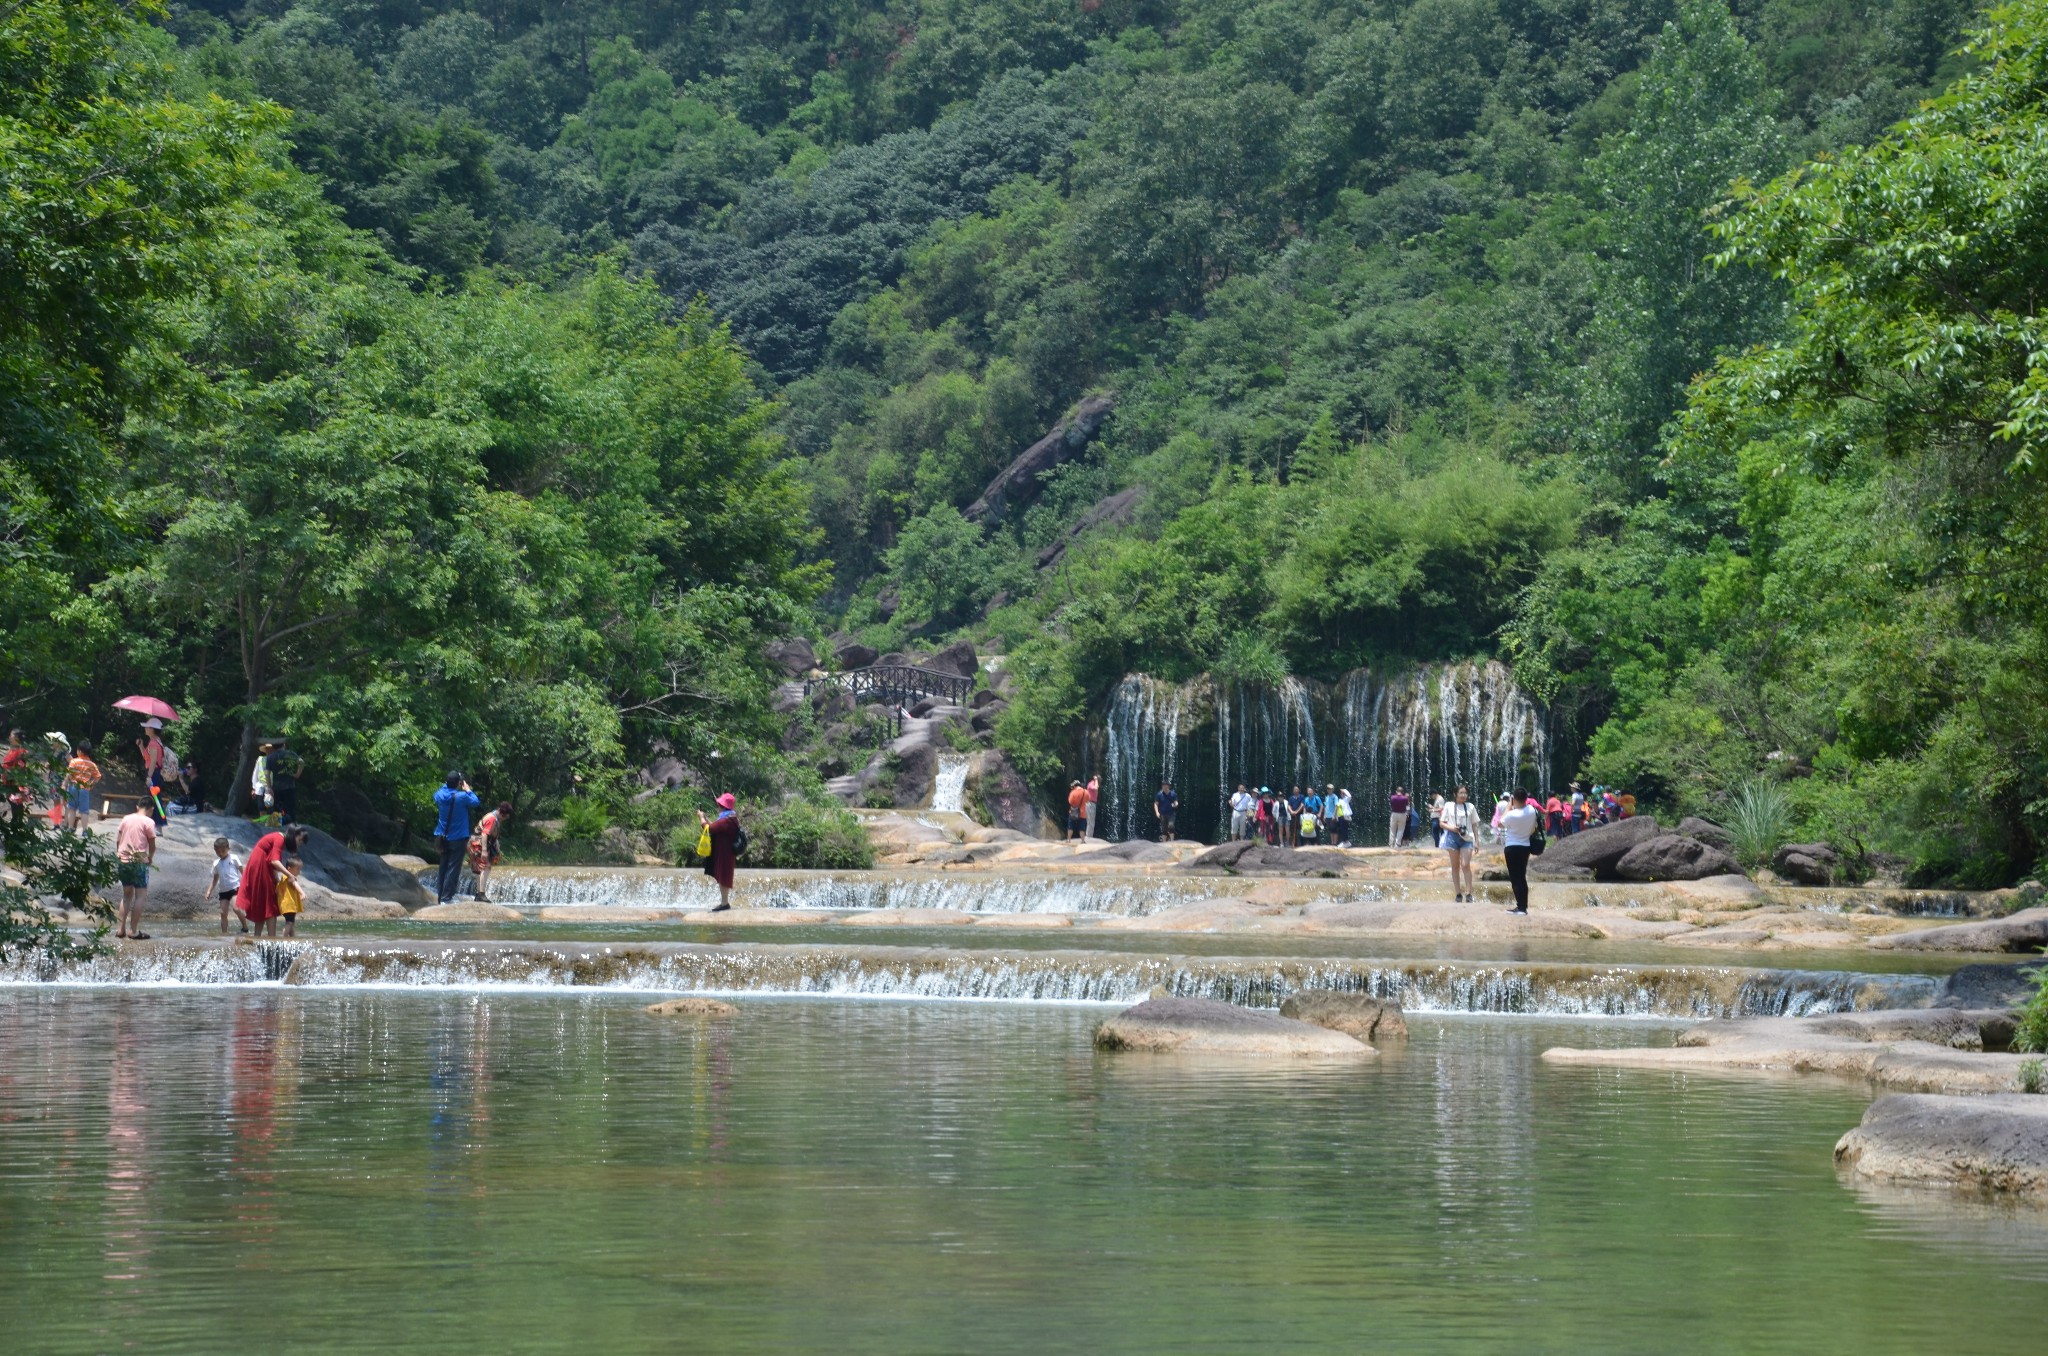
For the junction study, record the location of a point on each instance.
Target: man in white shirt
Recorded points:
(1241, 802)
(1517, 827)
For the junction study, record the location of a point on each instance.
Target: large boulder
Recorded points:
(1994, 1143)
(328, 862)
(1806, 863)
(917, 769)
(355, 816)
(1707, 831)
(1243, 858)
(851, 654)
(957, 658)
(1670, 857)
(1354, 1014)
(791, 655)
(2023, 933)
(1019, 483)
(1601, 848)
(994, 784)
(1203, 1026)
(1990, 986)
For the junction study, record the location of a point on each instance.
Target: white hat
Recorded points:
(152, 724)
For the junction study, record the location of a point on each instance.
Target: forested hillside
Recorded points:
(1397, 302)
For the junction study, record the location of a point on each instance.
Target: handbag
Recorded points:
(704, 842)
(1538, 841)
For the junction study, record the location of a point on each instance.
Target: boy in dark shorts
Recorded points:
(225, 880)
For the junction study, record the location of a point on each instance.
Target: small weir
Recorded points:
(1128, 896)
(1044, 976)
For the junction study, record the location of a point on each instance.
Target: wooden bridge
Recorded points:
(898, 687)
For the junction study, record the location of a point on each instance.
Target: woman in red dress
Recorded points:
(725, 832)
(257, 895)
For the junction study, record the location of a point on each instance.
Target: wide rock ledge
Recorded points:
(1204, 1026)
(692, 1007)
(1997, 1143)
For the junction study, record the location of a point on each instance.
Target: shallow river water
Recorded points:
(371, 1171)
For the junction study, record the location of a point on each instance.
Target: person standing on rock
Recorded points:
(453, 805)
(725, 853)
(1239, 799)
(1166, 809)
(1518, 825)
(285, 766)
(1337, 805)
(151, 745)
(1077, 811)
(1458, 833)
(1094, 799)
(135, 850)
(1397, 817)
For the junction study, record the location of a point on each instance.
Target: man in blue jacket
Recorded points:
(453, 804)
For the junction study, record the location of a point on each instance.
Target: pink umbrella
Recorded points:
(147, 706)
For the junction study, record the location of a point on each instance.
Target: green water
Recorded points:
(254, 1171)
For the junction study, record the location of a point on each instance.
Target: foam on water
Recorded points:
(1033, 976)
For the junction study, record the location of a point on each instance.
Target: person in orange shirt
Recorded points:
(1077, 812)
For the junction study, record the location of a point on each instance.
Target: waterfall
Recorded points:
(1057, 976)
(949, 787)
(1425, 729)
(1144, 739)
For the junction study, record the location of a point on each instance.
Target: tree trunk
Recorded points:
(245, 763)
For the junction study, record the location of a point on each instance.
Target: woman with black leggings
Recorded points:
(1516, 825)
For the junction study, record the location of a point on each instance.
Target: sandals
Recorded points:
(138, 936)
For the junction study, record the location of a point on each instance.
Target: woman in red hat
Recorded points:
(725, 833)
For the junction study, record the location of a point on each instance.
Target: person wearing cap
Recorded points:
(1077, 811)
(725, 833)
(1241, 802)
(1337, 809)
(259, 782)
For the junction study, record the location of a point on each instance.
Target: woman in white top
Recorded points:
(1458, 829)
(1517, 827)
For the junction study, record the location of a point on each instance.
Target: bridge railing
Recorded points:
(897, 686)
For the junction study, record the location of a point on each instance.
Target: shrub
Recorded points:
(2032, 1032)
(806, 834)
(1759, 818)
(584, 817)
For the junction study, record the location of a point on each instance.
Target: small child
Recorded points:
(290, 900)
(226, 881)
(81, 775)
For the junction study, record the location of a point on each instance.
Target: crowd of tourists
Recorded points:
(1292, 818)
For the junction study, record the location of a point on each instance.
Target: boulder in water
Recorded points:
(2023, 933)
(692, 1007)
(1601, 847)
(1204, 1026)
(1354, 1014)
(1996, 1143)
(1806, 863)
(1670, 857)
(1990, 986)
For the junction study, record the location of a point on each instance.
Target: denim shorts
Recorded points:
(135, 874)
(1454, 842)
(81, 799)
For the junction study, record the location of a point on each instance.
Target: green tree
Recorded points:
(1703, 121)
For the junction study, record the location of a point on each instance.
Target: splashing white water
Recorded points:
(949, 787)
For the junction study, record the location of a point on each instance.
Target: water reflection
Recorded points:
(368, 1171)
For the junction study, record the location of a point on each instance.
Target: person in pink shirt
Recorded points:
(135, 848)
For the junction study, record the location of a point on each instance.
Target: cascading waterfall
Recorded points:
(1425, 729)
(1144, 744)
(1045, 976)
(949, 786)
